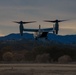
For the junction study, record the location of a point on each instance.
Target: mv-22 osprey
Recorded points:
(41, 32)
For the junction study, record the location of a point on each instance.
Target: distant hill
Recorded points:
(66, 39)
(17, 36)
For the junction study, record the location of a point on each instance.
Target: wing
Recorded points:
(46, 29)
(31, 30)
(36, 30)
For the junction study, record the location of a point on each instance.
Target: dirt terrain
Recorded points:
(37, 69)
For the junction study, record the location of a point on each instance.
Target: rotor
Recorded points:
(21, 27)
(56, 25)
(55, 21)
(22, 22)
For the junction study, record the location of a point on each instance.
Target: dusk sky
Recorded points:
(37, 10)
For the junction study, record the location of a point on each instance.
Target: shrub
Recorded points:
(19, 57)
(7, 56)
(64, 59)
(44, 58)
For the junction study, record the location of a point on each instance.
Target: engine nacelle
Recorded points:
(55, 28)
(21, 29)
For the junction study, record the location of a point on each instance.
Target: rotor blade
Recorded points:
(62, 20)
(24, 22)
(28, 22)
(16, 22)
(55, 21)
(49, 21)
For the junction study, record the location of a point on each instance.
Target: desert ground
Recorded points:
(37, 69)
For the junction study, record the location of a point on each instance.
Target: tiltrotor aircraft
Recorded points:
(39, 33)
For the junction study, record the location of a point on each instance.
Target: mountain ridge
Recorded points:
(66, 39)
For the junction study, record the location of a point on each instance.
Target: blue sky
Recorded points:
(38, 10)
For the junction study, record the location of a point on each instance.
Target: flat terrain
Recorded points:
(37, 69)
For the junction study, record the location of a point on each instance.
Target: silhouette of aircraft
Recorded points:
(56, 25)
(39, 33)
